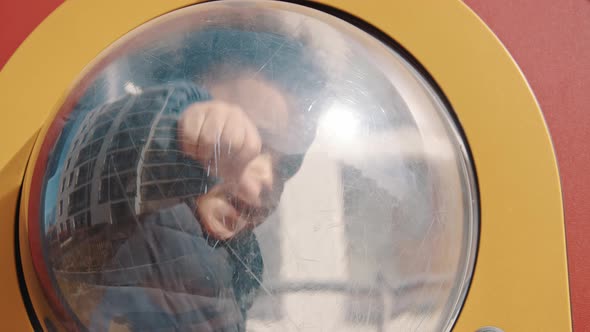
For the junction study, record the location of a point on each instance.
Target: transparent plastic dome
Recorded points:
(256, 165)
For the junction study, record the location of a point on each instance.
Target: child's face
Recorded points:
(260, 99)
(248, 196)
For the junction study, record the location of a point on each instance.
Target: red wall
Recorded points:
(550, 40)
(17, 19)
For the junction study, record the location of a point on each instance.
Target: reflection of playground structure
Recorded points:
(355, 256)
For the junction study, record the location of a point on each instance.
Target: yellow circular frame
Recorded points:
(520, 282)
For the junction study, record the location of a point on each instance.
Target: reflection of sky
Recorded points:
(52, 187)
(107, 86)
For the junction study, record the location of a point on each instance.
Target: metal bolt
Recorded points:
(489, 329)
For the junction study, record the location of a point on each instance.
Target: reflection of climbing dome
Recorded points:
(377, 230)
(124, 160)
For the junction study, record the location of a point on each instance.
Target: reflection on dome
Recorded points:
(243, 165)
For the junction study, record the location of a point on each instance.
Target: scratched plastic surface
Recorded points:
(357, 210)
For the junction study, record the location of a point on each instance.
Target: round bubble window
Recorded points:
(254, 165)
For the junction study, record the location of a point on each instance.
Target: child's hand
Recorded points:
(218, 215)
(219, 134)
(231, 206)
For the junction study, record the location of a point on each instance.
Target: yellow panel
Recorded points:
(520, 282)
(12, 307)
